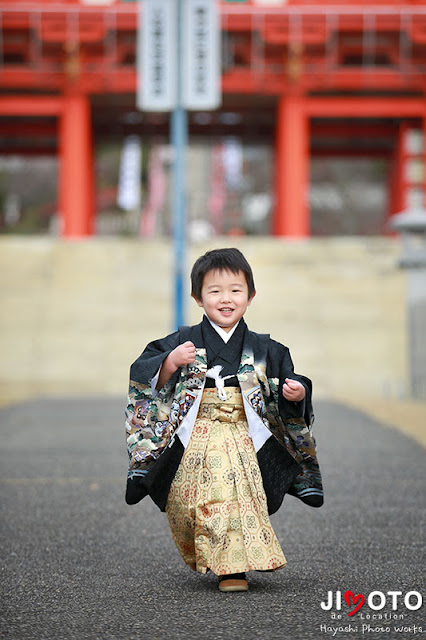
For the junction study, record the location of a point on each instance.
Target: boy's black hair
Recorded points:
(221, 260)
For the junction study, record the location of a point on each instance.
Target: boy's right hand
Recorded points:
(183, 354)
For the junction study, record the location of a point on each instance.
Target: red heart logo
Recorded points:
(351, 599)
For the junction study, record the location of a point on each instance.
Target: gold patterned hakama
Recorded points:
(217, 508)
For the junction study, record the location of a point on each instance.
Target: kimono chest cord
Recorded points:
(214, 373)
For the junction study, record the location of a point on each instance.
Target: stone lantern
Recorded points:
(411, 225)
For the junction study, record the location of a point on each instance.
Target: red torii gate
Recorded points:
(294, 52)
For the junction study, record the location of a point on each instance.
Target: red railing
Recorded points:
(353, 47)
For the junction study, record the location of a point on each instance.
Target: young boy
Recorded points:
(219, 429)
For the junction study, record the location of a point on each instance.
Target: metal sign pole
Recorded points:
(178, 69)
(179, 137)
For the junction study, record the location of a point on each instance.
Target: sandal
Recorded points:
(233, 582)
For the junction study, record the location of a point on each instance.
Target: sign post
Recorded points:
(179, 138)
(178, 69)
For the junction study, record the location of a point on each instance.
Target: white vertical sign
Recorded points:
(201, 73)
(157, 59)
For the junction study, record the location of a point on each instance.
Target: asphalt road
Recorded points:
(78, 563)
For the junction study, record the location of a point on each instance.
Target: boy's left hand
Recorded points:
(293, 390)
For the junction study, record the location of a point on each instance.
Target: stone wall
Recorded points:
(74, 315)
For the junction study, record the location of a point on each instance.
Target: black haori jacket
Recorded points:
(159, 424)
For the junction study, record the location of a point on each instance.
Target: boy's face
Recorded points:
(224, 297)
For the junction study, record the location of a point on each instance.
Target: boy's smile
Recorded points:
(224, 297)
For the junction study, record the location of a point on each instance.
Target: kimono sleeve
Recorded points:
(302, 409)
(149, 362)
(141, 394)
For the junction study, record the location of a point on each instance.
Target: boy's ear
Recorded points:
(251, 298)
(199, 302)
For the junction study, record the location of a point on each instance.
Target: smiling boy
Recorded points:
(224, 296)
(219, 429)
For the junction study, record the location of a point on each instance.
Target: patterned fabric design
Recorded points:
(151, 422)
(217, 507)
(293, 433)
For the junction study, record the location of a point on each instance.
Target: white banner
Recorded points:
(201, 72)
(157, 63)
(129, 182)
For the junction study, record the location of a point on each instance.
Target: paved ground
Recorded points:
(407, 415)
(78, 563)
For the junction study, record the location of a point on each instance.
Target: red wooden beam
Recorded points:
(353, 130)
(30, 106)
(246, 81)
(357, 107)
(112, 81)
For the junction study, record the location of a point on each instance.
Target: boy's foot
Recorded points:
(233, 582)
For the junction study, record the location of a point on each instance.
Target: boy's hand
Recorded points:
(293, 390)
(183, 354)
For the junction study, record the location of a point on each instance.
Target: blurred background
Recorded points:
(316, 145)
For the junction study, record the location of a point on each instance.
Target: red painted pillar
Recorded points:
(292, 169)
(76, 184)
(424, 160)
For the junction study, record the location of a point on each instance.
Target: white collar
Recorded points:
(225, 335)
